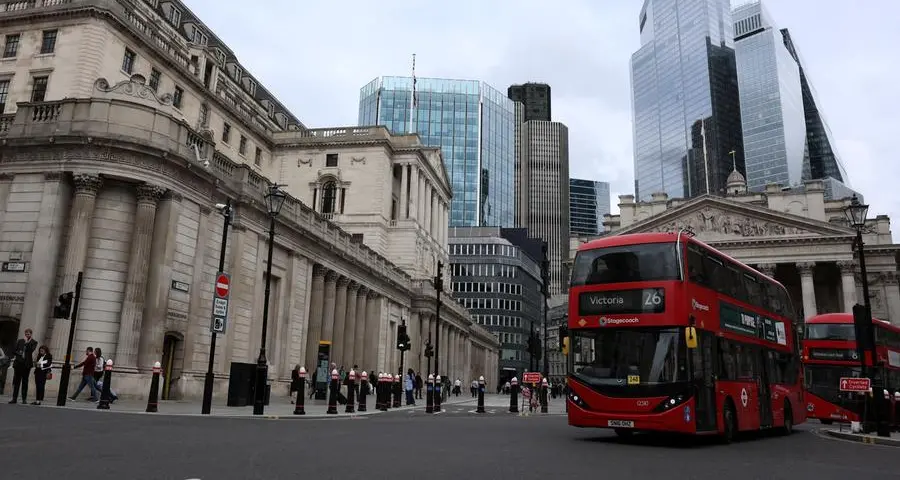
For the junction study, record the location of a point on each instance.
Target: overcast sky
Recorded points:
(316, 55)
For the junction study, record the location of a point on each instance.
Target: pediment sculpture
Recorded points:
(136, 86)
(717, 222)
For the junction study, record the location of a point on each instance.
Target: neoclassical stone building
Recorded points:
(122, 124)
(796, 236)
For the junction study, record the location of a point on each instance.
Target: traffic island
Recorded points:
(892, 441)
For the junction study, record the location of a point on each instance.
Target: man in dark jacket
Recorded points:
(23, 360)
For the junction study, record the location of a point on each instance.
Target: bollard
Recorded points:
(363, 387)
(480, 408)
(437, 394)
(514, 395)
(299, 407)
(398, 391)
(379, 392)
(544, 388)
(105, 395)
(351, 398)
(153, 398)
(335, 389)
(429, 394)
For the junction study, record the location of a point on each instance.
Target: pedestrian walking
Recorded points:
(87, 375)
(410, 385)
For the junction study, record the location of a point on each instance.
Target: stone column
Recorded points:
(328, 311)
(433, 216)
(428, 212)
(350, 325)
(414, 193)
(808, 288)
(892, 294)
(159, 281)
(314, 325)
(197, 338)
(423, 178)
(80, 220)
(848, 284)
(359, 330)
(445, 347)
(767, 269)
(340, 321)
(42, 271)
(373, 330)
(404, 192)
(135, 282)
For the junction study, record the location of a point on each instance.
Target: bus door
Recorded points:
(765, 393)
(704, 378)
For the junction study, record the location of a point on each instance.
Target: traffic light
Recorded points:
(439, 276)
(563, 333)
(429, 350)
(565, 346)
(63, 305)
(402, 338)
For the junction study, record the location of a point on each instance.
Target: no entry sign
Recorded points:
(221, 289)
(223, 285)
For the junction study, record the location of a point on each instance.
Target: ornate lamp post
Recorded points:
(275, 198)
(856, 213)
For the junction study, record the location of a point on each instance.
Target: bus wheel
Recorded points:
(730, 423)
(623, 432)
(788, 427)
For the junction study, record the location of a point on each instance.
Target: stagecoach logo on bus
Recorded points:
(699, 306)
(604, 321)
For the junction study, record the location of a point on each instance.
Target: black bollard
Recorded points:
(335, 389)
(105, 395)
(351, 398)
(363, 390)
(398, 391)
(153, 398)
(429, 394)
(544, 387)
(437, 393)
(480, 408)
(514, 395)
(299, 407)
(379, 392)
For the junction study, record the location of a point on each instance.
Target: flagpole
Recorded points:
(412, 98)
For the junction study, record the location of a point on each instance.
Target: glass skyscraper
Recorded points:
(472, 123)
(685, 105)
(772, 117)
(588, 203)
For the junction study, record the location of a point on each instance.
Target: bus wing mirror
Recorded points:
(690, 337)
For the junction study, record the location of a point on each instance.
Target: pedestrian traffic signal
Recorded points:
(429, 350)
(63, 305)
(563, 333)
(439, 276)
(402, 338)
(565, 345)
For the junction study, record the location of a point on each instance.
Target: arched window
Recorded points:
(329, 196)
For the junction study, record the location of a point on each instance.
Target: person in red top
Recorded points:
(87, 375)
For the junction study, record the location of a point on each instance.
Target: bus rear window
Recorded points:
(628, 263)
(831, 331)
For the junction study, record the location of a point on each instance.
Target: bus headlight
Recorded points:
(671, 402)
(810, 407)
(578, 401)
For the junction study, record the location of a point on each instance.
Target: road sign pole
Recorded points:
(210, 376)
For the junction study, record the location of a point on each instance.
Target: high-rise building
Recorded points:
(472, 123)
(544, 185)
(823, 161)
(535, 97)
(588, 203)
(685, 104)
(496, 275)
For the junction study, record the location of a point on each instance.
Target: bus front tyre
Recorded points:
(729, 419)
(788, 427)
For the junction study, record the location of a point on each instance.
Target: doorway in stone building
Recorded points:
(171, 363)
(9, 333)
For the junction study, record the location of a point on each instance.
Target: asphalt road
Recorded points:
(49, 444)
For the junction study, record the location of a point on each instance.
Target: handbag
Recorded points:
(49, 375)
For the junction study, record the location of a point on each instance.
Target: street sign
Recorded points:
(853, 384)
(531, 377)
(221, 291)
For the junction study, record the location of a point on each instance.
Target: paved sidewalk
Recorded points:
(892, 441)
(278, 408)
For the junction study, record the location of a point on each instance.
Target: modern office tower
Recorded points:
(823, 161)
(685, 105)
(472, 123)
(496, 275)
(544, 185)
(535, 97)
(588, 203)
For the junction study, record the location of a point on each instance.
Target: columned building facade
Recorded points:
(127, 125)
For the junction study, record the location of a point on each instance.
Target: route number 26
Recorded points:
(652, 298)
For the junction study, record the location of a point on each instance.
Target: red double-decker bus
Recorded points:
(669, 334)
(829, 354)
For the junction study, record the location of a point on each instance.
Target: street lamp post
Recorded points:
(438, 286)
(857, 213)
(545, 271)
(226, 211)
(274, 201)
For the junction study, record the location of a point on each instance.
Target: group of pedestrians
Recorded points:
(26, 355)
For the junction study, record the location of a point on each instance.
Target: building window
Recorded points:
(48, 42)
(257, 158)
(175, 16)
(128, 61)
(4, 94)
(177, 97)
(242, 147)
(11, 48)
(331, 160)
(251, 87)
(356, 237)
(155, 75)
(329, 195)
(226, 132)
(199, 37)
(39, 88)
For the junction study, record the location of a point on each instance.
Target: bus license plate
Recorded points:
(620, 423)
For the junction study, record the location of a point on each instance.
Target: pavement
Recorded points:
(844, 433)
(51, 443)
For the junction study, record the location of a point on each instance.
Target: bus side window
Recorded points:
(696, 266)
(716, 273)
(735, 284)
(727, 361)
(752, 288)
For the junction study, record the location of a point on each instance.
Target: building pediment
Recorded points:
(715, 219)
